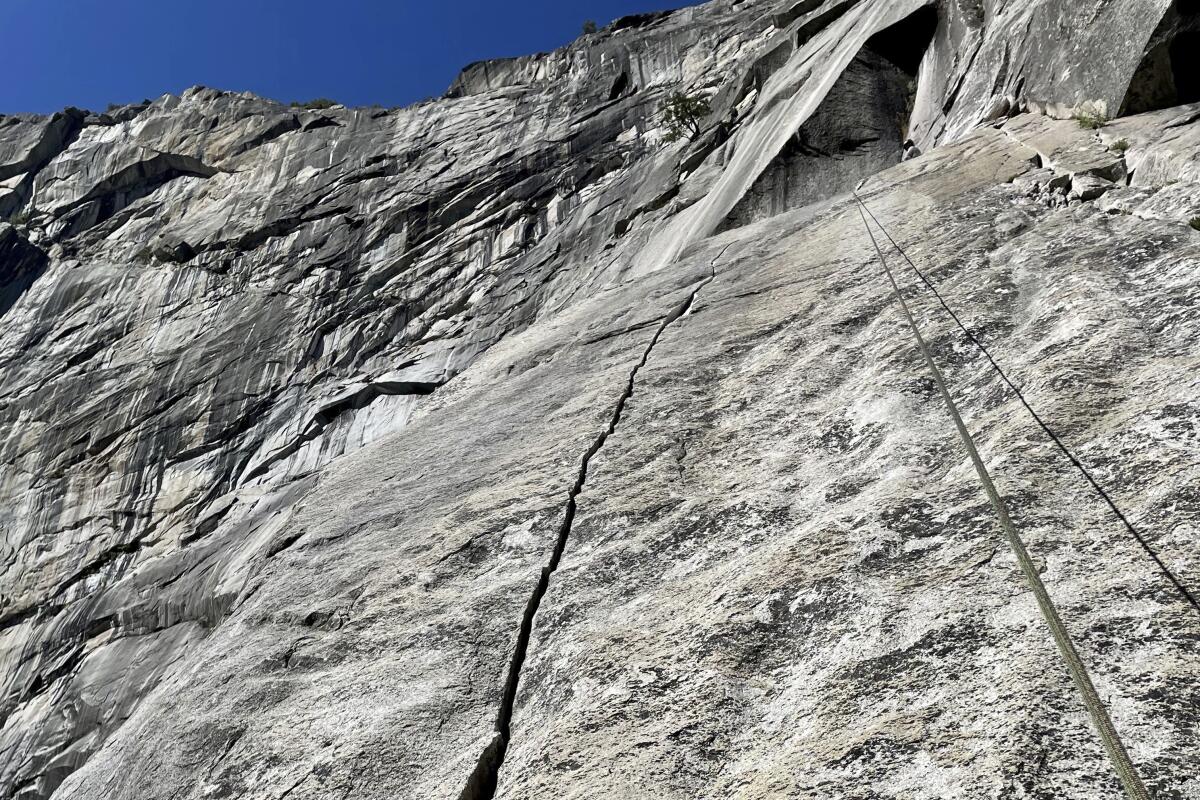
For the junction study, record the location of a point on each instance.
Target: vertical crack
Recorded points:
(481, 785)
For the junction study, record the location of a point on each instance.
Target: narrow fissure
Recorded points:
(481, 785)
(327, 415)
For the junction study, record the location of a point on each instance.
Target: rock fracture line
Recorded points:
(483, 780)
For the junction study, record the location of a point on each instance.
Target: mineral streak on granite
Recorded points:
(297, 407)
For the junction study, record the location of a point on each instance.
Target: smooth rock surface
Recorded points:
(366, 453)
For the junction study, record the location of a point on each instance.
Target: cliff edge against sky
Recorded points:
(496, 447)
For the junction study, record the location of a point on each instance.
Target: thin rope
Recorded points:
(1079, 675)
(1083, 470)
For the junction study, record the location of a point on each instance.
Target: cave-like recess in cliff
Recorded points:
(905, 43)
(1169, 74)
(858, 130)
(1185, 64)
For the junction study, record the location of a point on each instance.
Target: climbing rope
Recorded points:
(1062, 638)
(1083, 470)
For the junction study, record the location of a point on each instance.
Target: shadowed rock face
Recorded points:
(492, 447)
(859, 130)
(20, 265)
(1169, 73)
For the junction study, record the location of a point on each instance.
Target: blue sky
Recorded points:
(90, 53)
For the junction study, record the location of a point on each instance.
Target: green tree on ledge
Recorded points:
(682, 114)
(315, 105)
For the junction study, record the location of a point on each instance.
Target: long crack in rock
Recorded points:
(290, 399)
(482, 783)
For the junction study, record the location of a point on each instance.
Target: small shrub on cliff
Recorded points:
(1090, 121)
(315, 105)
(1120, 145)
(1195, 223)
(589, 27)
(683, 114)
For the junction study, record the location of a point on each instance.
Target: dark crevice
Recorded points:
(88, 353)
(67, 666)
(21, 264)
(326, 415)
(278, 128)
(1169, 72)
(103, 560)
(104, 440)
(1185, 66)
(789, 15)
(321, 122)
(904, 44)
(286, 225)
(639, 20)
(285, 543)
(952, 95)
(620, 85)
(481, 785)
(755, 75)
(822, 20)
(620, 332)
(207, 525)
(119, 190)
(858, 130)
(220, 434)
(139, 180)
(61, 132)
(12, 619)
(592, 113)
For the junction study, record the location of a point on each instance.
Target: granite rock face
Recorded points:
(494, 447)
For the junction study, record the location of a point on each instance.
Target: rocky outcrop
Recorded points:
(494, 447)
(27, 144)
(858, 131)
(21, 264)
